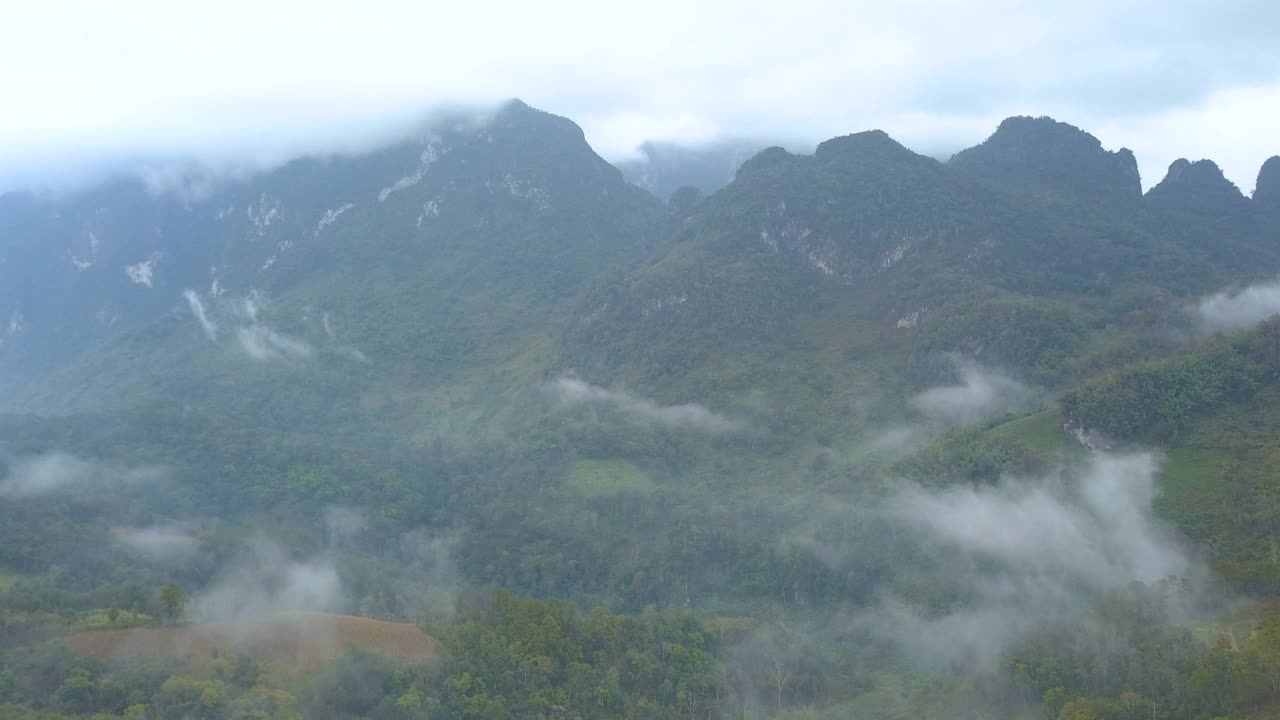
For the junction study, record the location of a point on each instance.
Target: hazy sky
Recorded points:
(236, 82)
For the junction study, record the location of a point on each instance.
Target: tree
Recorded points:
(174, 599)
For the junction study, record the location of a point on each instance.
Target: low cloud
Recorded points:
(1029, 551)
(342, 349)
(353, 353)
(255, 338)
(979, 393)
(1236, 310)
(197, 309)
(429, 577)
(264, 580)
(38, 475)
(262, 343)
(189, 182)
(157, 542)
(573, 392)
(344, 522)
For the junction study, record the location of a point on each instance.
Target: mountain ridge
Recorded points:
(862, 231)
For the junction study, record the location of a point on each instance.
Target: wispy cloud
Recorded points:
(262, 343)
(340, 348)
(197, 309)
(980, 392)
(158, 542)
(37, 475)
(572, 391)
(257, 340)
(1030, 550)
(264, 580)
(344, 522)
(1239, 309)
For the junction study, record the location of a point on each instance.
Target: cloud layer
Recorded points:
(220, 83)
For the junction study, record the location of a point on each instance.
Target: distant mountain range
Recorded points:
(506, 251)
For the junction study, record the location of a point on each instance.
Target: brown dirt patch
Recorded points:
(294, 641)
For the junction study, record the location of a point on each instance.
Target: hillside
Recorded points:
(811, 277)
(412, 267)
(860, 433)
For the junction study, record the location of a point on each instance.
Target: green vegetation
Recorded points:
(724, 519)
(603, 478)
(1192, 483)
(1155, 400)
(1039, 432)
(7, 580)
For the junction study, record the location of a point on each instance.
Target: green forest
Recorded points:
(471, 428)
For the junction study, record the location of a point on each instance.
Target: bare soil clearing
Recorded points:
(302, 642)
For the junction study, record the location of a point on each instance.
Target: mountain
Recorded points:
(417, 260)
(811, 277)
(812, 436)
(1266, 192)
(1197, 187)
(393, 277)
(1046, 156)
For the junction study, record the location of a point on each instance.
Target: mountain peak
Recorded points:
(1267, 191)
(1197, 186)
(1044, 154)
(766, 158)
(514, 114)
(862, 146)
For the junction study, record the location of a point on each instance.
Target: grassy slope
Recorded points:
(1218, 479)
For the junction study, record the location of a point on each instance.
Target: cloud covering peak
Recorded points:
(220, 83)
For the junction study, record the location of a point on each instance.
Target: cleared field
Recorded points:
(605, 478)
(1041, 432)
(296, 641)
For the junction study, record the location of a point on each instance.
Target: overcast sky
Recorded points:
(250, 82)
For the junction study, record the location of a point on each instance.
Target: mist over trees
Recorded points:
(470, 426)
